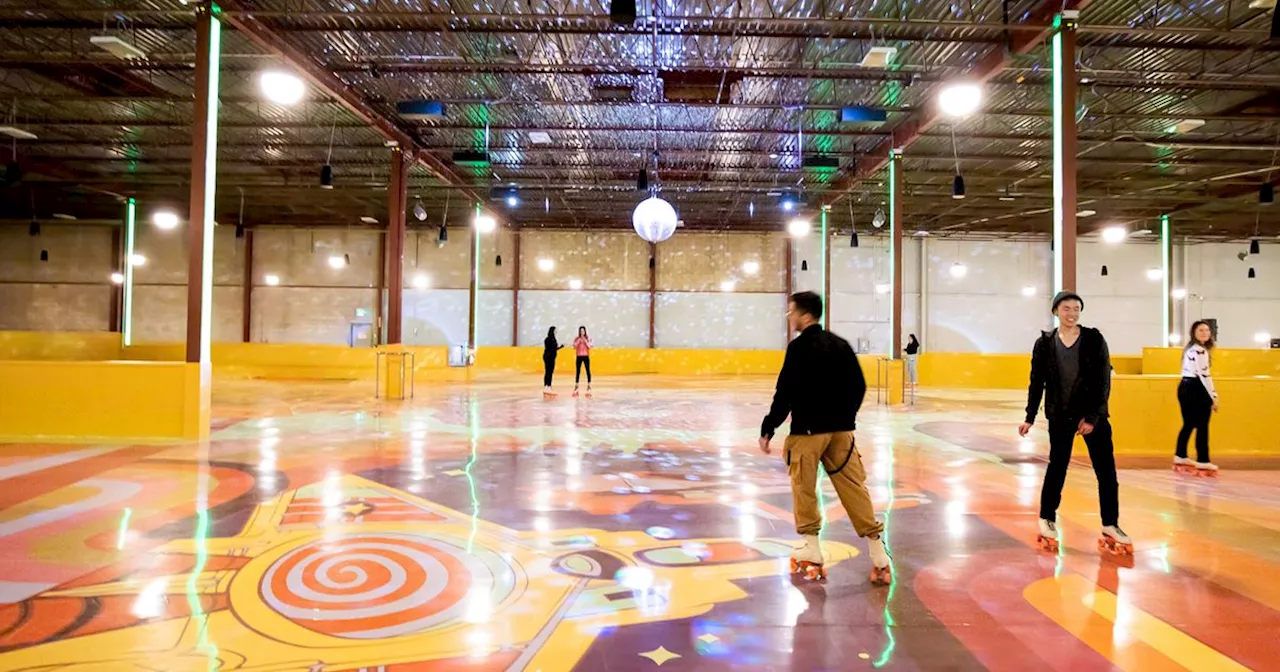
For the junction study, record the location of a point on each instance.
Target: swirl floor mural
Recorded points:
(478, 527)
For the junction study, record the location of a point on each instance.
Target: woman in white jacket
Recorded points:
(1198, 400)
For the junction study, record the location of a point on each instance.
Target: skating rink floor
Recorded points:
(479, 527)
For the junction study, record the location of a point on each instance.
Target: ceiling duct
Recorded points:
(706, 87)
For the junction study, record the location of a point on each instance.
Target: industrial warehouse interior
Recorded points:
(399, 335)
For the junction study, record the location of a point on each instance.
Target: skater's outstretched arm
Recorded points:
(783, 395)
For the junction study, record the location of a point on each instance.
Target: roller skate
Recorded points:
(1115, 542)
(881, 568)
(588, 390)
(1207, 469)
(547, 393)
(575, 391)
(1184, 465)
(807, 559)
(1048, 537)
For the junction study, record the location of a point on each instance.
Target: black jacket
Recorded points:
(821, 386)
(550, 347)
(1089, 397)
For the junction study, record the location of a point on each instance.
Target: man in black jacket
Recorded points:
(821, 386)
(1071, 369)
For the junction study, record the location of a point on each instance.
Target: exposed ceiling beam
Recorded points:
(908, 130)
(332, 86)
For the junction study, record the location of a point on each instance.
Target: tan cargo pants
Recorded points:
(804, 453)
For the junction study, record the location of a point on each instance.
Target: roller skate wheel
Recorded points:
(882, 576)
(815, 572)
(1207, 473)
(1047, 544)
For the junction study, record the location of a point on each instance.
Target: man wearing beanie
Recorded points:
(1071, 370)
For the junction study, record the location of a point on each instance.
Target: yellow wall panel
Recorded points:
(1146, 418)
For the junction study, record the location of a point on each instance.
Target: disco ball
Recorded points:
(654, 219)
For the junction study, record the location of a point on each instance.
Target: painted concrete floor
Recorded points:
(479, 527)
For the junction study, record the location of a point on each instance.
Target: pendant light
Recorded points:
(804, 264)
(1104, 270)
(957, 187)
(853, 239)
(44, 256)
(1267, 194)
(33, 229)
(642, 180)
(1254, 247)
(498, 261)
(326, 171)
(443, 236)
(1252, 273)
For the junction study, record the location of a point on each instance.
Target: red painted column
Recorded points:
(117, 291)
(397, 199)
(247, 309)
(515, 290)
(1064, 150)
(204, 140)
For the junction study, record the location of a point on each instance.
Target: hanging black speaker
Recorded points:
(444, 234)
(804, 264)
(326, 176)
(498, 261)
(622, 12)
(1252, 274)
(853, 239)
(1254, 247)
(957, 187)
(33, 229)
(642, 180)
(1267, 192)
(1104, 270)
(239, 231)
(44, 256)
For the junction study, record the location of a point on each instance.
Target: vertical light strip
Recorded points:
(826, 303)
(894, 157)
(210, 183)
(475, 278)
(1058, 170)
(130, 218)
(1166, 279)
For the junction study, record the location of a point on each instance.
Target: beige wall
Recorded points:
(602, 261)
(70, 292)
(700, 262)
(160, 285)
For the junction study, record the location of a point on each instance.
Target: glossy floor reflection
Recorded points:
(479, 527)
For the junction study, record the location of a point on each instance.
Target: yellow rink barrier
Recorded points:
(101, 400)
(1226, 362)
(1146, 418)
(59, 346)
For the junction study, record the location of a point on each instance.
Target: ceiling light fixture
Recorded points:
(1028, 290)
(727, 285)
(419, 211)
(165, 220)
(117, 278)
(957, 187)
(799, 228)
(282, 88)
(960, 99)
(117, 47)
(750, 267)
(654, 220)
(271, 279)
(17, 133)
(336, 262)
(546, 265)
(421, 280)
(575, 284)
(137, 260)
(1154, 274)
(1114, 234)
(1086, 213)
(959, 270)
(485, 223)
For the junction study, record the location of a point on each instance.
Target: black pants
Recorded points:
(578, 375)
(548, 368)
(1197, 407)
(1101, 452)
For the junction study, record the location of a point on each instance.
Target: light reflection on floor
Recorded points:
(479, 527)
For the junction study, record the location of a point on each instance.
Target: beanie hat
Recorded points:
(1065, 295)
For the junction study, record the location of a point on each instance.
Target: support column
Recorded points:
(515, 290)
(117, 291)
(924, 293)
(1166, 281)
(653, 294)
(126, 306)
(473, 294)
(1064, 151)
(397, 199)
(826, 269)
(790, 288)
(204, 157)
(247, 309)
(895, 254)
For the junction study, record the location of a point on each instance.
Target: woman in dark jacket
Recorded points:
(549, 349)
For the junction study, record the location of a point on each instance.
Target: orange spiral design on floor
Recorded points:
(368, 586)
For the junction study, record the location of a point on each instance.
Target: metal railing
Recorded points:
(407, 367)
(882, 383)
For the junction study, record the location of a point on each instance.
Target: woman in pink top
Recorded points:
(582, 348)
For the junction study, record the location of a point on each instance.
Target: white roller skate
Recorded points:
(881, 567)
(588, 390)
(575, 391)
(1115, 541)
(1048, 537)
(547, 393)
(1184, 465)
(808, 560)
(1206, 469)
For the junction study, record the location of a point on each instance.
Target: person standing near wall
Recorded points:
(821, 387)
(549, 350)
(582, 349)
(1071, 369)
(912, 351)
(1198, 400)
